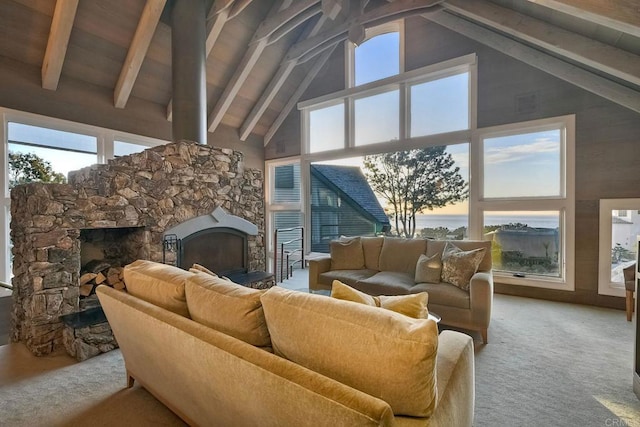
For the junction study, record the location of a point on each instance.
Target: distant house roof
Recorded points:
(618, 220)
(353, 186)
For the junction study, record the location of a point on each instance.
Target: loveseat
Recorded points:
(395, 266)
(220, 354)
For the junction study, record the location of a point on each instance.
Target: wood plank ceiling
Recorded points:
(263, 54)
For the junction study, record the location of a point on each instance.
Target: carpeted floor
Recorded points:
(546, 364)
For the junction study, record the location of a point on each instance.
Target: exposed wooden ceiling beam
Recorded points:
(61, 25)
(295, 96)
(620, 15)
(616, 62)
(137, 51)
(577, 76)
(387, 12)
(284, 71)
(279, 20)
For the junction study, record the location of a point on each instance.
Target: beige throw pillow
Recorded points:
(347, 254)
(228, 307)
(159, 284)
(414, 305)
(379, 352)
(459, 266)
(429, 269)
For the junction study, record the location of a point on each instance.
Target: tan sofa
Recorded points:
(388, 267)
(185, 338)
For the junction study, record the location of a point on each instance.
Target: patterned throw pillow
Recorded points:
(459, 266)
(413, 305)
(429, 269)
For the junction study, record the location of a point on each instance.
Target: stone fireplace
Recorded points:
(118, 212)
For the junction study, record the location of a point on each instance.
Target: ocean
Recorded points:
(455, 221)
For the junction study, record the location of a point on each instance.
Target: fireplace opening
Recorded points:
(103, 254)
(221, 249)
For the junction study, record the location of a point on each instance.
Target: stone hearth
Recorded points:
(154, 190)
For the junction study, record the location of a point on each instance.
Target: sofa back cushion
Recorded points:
(371, 247)
(401, 255)
(437, 246)
(228, 307)
(159, 284)
(347, 254)
(382, 353)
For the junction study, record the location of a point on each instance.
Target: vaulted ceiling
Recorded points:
(263, 54)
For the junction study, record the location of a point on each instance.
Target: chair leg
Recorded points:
(485, 335)
(629, 304)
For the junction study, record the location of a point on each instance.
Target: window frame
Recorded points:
(105, 140)
(272, 207)
(564, 204)
(605, 285)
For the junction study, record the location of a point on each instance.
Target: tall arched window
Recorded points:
(378, 57)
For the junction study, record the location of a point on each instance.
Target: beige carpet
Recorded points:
(547, 364)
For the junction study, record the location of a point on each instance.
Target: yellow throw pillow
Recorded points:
(459, 266)
(347, 254)
(378, 352)
(428, 269)
(414, 305)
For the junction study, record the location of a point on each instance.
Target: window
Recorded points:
(619, 228)
(377, 118)
(326, 128)
(440, 105)
(283, 208)
(379, 56)
(526, 201)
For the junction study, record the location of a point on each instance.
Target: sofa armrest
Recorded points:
(481, 296)
(455, 379)
(317, 266)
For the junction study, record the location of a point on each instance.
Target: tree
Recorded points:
(28, 167)
(415, 181)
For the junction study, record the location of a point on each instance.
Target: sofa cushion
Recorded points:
(386, 283)
(459, 266)
(428, 269)
(401, 255)
(414, 305)
(379, 352)
(437, 246)
(345, 276)
(197, 268)
(444, 294)
(346, 254)
(371, 247)
(159, 284)
(228, 307)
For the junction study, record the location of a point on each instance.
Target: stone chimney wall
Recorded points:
(156, 189)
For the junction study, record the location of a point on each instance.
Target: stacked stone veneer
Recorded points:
(156, 189)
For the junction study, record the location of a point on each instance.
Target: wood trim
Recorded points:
(619, 15)
(379, 15)
(293, 100)
(243, 70)
(277, 20)
(603, 57)
(137, 51)
(579, 77)
(285, 70)
(61, 25)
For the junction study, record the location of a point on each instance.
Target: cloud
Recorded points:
(520, 152)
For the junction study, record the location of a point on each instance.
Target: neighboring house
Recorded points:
(342, 203)
(625, 228)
